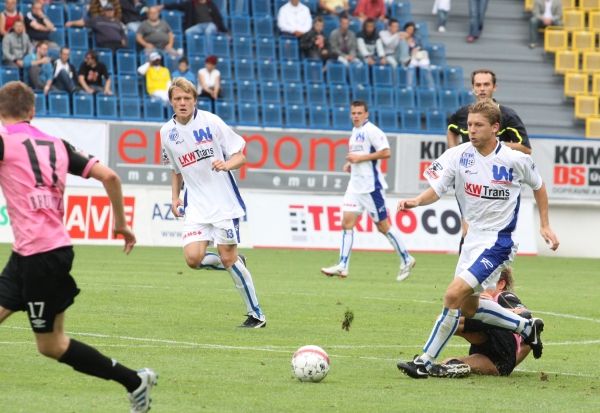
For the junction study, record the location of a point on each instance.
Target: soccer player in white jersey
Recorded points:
(202, 151)
(487, 177)
(366, 191)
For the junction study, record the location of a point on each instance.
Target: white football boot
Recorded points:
(140, 398)
(337, 270)
(405, 268)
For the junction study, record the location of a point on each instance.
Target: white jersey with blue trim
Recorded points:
(190, 149)
(488, 188)
(365, 177)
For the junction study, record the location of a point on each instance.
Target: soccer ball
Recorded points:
(310, 363)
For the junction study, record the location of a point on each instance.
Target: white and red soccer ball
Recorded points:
(310, 363)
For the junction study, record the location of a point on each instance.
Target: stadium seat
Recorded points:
(106, 107)
(240, 26)
(226, 111)
(387, 119)
(583, 40)
(106, 56)
(528, 5)
(8, 74)
(453, 77)
(592, 127)
(427, 98)
(127, 85)
(58, 36)
(400, 10)
(272, 116)
(204, 104)
(293, 93)
(174, 18)
(248, 114)
(359, 75)
(384, 97)
(449, 100)
(576, 83)
(337, 72)
(422, 32)
(410, 119)
(265, 48)
(77, 38)
(221, 5)
(355, 25)
(339, 95)
(227, 90)
(270, 92)
(75, 11)
(83, 105)
(555, 39)
(126, 62)
(594, 20)
(268, 70)
(596, 83)
(589, 5)
(56, 14)
(340, 118)
(405, 98)
(196, 44)
(41, 107)
(288, 48)
(586, 106)
(566, 60)
(383, 75)
(261, 8)
(171, 61)
(318, 117)
(239, 8)
(406, 76)
(243, 47)
(316, 94)
(263, 25)
(573, 19)
(244, 69)
(224, 65)
(218, 45)
(58, 104)
(591, 61)
(467, 97)
(330, 23)
(435, 121)
(130, 108)
(290, 71)
(154, 109)
(295, 116)
(363, 93)
(77, 56)
(196, 63)
(313, 71)
(437, 54)
(246, 92)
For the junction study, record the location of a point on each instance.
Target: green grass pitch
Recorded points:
(148, 309)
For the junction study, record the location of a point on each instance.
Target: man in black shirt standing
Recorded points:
(512, 131)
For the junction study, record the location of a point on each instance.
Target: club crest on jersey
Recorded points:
(174, 136)
(203, 136)
(432, 171)
(467, 159)
(359, 137)
(502, 175)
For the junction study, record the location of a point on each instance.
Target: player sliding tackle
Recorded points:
(487, 177)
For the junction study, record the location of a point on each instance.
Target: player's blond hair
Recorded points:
(17, 101)
(183, 84)
(488, 108)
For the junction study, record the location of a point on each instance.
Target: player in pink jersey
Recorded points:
(37, 279)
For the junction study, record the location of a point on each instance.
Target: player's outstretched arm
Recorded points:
(424, 198)
(112, 185)
(234, 162)
(541, 199)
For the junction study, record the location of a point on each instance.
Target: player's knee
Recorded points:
(51, 349)
(229, 260)
(452, 299)
(193, 260)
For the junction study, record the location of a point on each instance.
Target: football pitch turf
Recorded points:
(149, 309)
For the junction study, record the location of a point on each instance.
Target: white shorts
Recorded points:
(373, 203)
(226, 232)
(484, 255)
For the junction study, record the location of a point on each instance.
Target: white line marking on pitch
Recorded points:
(575, 317)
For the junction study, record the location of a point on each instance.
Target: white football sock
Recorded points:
(211, 261)
(444, 327)
(393, 237)
(346, 248)
(490, 312)
(244, 284)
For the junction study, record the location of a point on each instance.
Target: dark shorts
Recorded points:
(500, 348)
(40, 284)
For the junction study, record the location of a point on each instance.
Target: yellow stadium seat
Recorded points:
(583, 40)
(573, 19)
(576, 83)
(586, 106)
(569, 4)
(596, 83)
(589, 4)
(594, 20)
(555, 39)
(528, 5)
(592, 127)
(566, 61)
(591, 62)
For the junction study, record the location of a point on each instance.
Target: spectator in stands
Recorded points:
(209, 80)
(343, 42)
(544, 13)
(183, 70)
(16, 45)
(335, 7)
(370, 46)
(394, 44)
(158, 77)
(109, 32)
(39, 26)
(38, 66)
(93, 75)
(314, 44)
(9, 16)
(294, 19)
(441, 8)
(477, 9)
(131, 13)
(370, 9)
(97, 8)
(64, 73)
(155, 33)
(419, 58)
(200, 16)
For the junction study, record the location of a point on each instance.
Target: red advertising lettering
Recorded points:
(331, 145)
(423, 165)
(90, 217)
(264, 154)
(315, 212)
(569, 175)
(334, 218)
(406, 221)
(278, 148)
(132, 139)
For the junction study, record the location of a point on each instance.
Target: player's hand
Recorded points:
(354, 157)
(347, 167)
(175, 204)
(550, 238)
(129, 237)
(405, 204)
(219, 165)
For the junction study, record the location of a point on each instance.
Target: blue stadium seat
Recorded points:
(106, 56)
(171, 62)
(154, 109)
(265, 48)
(130, 108)
(177, 40)
(337, 72)
(58, 36)
(437, 54)
(293, 93)
(359, 75)
(227, 90)
(261, 8)
(240, 26)
(405, 98)
(288, 48)
(339, 95)
(77, 56)
(204, 104)
(244, 69)
(270, 92)
(356, 26)
(268, 70)
(221, 5)
(400, 10)
(8, 74)
(195, 44)
(340, 118)
(246, 92)
(127, 85)
(271, 115)
(410, 119)
(243, 47)
(78, 38)
(363, 93)
(406, 76)
(453, 77)
(41, 107)
(316, 94)
(75, 11)
(449, 100)
(295, 116)
(224, 66)
(422, 32)
(467, 97)
(248, 114)
(58, 104)
(318, 117)
(126, 61)
(226, 111)
(383, 75)
(387, 119)
(196, 63)
(330, 24)
(56, 14)
(83, 105)
(239, 8)
(290, 71)
(263, 25)
(427, 98)
(106, 107)
(174, 18)
(435, 121)
(218, 45)
(313, 71)
(430, 77)
(131, 42)
(24, 7)
(383, 97)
